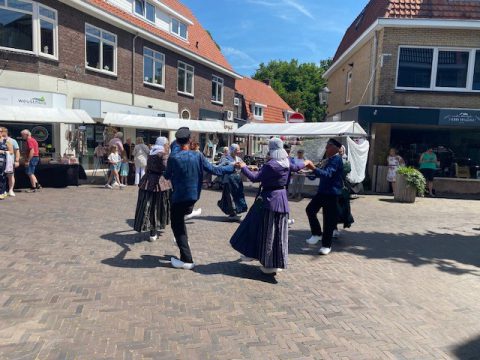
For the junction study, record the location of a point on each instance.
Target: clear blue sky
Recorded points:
(254, 31)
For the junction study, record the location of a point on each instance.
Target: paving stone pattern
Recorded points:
(77, 283)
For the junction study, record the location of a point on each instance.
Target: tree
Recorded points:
(297, 84)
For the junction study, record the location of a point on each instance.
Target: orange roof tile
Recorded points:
(196, 33)
(255, 91)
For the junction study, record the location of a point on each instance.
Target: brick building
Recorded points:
(136, 57)
(409, 72)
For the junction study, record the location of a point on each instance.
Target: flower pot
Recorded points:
(404, 193)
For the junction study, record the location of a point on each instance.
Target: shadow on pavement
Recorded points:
(468, 351)
(445, 251)
(235, 269)
(224, 219)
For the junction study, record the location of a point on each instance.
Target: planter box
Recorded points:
(404, 193)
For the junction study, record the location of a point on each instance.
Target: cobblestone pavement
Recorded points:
(77, 283)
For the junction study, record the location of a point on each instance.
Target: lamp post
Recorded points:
(323, 95)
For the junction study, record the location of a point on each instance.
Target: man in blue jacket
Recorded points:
(185, 170)
(331, 183)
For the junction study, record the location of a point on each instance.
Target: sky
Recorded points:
(254, 31)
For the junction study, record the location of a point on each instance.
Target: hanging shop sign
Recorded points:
(459, 117)
(40, 133)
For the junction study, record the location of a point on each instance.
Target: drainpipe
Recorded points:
(373, 70)
(133, 69)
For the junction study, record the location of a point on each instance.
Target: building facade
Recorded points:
(150, 58)
(410, 74)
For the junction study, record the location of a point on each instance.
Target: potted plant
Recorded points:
(410, 182)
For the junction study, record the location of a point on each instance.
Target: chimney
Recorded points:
(267, 82)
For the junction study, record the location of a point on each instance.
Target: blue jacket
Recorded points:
(185, 170)
(331, 181)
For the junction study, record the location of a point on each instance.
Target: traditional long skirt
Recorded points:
(153, 210)
(233, 197)
(263, 235)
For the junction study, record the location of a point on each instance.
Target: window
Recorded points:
(153, 67)
(179, 28)
(101, 49)
(185, 78)
(439, 69)
(348, 87)
(145, 10)
(217, 89)
(28, 26)
(258, 112)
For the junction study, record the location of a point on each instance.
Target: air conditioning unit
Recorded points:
(236, 101)
(228, 115)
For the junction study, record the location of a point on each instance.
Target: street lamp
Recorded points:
(323, 95)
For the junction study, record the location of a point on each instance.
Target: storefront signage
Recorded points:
(25, 98)
(459, 117)
(40, 133)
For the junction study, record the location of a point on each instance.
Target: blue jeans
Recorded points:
(32, 165)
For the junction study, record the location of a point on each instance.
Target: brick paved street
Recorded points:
(77, 283)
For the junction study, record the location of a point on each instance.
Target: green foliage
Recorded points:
(414, 178)
(297, 84)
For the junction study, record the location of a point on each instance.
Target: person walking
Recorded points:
(185, 170)
(15, 160)
(331, 184)
(6, 162)
(428, 165)
(394, 161)
(233, 201)
(32, 159)
(115, 161)
(117, 142)
(140, 156)
(153, 204)
(263, 234)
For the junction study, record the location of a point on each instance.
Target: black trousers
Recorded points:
(3, 183)
(178, 212)
(329, 205)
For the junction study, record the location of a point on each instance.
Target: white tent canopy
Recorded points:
(43, 115)
(163, 123)
(322, 129)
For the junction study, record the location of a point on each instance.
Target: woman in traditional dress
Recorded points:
(233, 201)
(153, 205)
(394, 162)
(263, 235)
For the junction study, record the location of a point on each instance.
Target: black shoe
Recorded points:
(32, 190)
(38, 186)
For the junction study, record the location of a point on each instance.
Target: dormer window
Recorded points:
(145, 9)
(179, 28)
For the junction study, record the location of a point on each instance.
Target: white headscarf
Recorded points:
(159, 145)
(278, 153)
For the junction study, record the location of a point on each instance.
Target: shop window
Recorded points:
(452, 69)
(153, 67)
(185, 78)
(28, 26)
(476, 72)
(145, 9)
(415, 68)
(178, 28)
(348, 87)
(101, 49)
(217, 89)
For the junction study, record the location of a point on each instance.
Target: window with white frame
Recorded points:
(185, 75)
(348, 87)
(145, 9)
(258, 111)
(28, 26)
(179, 28)
(101, 49)
(217, 89)
(153, 67)
(438, 69)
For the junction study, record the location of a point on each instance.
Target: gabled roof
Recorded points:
(255, 91)
(199, 41)
(407, 9)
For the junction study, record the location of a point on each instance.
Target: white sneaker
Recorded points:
(271, 271)
(115, 184)
(244, 258)
(324, 250)
(314, 239)
(336, 233)
(291, 222)
(108, 186)
(178, 264)
(123, 185)
(153, 238)
(11, 193)
(194, 213)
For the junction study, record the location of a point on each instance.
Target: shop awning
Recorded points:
(43, 115)
(323, 129)
(171, 124)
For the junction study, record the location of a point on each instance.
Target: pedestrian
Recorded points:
(233, 201)
(32, 159)
(428, 165)
(124, 169)
(185, 171)
(225, 153)
(344, 210)
(140, 156)
(128, 148)
(153, 204)
(394, 161)
(117, 142)
(15, 162)
(330, 173)
(115, 162)
(263, 234)
(6, 162)
(298, 180)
